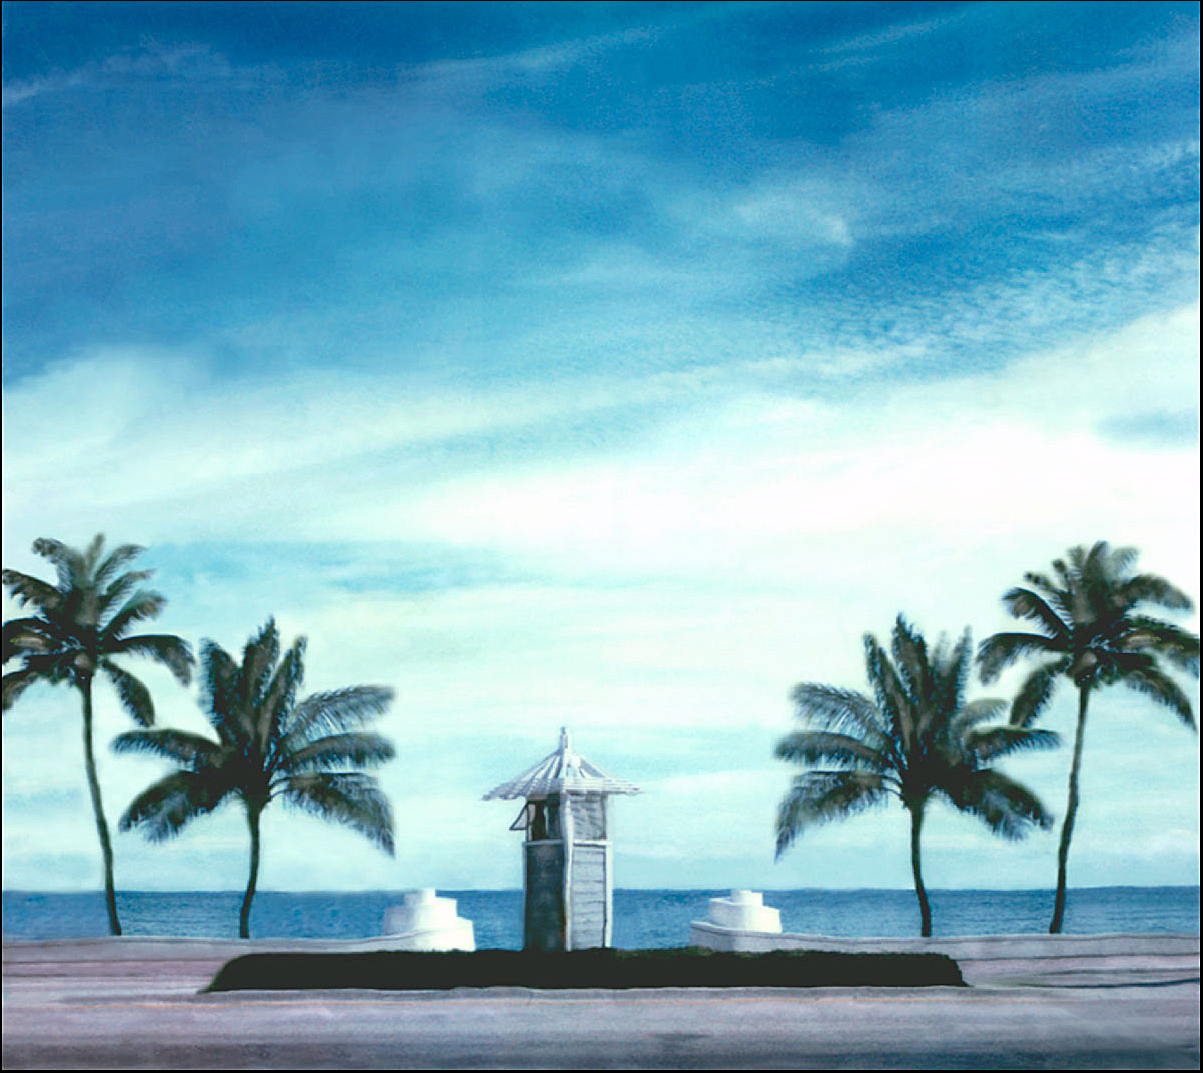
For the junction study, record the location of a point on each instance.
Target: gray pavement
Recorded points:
(135, 1004)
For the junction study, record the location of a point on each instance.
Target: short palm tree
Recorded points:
(79, 625)
(269, 745)
(1090, 631)
(916, 739)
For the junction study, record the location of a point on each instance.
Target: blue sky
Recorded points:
(615, 365)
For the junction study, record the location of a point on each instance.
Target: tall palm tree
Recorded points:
(916, 739)
(1090, 632)
(79, 625)
(269, 745)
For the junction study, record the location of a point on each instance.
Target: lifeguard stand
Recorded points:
(568, 876)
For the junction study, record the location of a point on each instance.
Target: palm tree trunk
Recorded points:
(920, 889)
(1071, 811)
(102, 826)
(244, 918)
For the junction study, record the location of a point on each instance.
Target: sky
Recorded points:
(615, 366)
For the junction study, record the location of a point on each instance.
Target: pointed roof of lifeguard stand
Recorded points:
(562, 771)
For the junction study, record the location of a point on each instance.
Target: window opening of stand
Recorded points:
(539, 819)
(522, 820)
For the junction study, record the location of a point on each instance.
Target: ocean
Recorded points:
(642, 918)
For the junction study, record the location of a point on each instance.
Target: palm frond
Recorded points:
(51, 667)
(172, 652)
(810, 747)
(15, 683)
(92, 554)
(1096, 575)
(31, 590)
(333, 711)
(163, 809)
(896, 706)
(68, 563)
(1055, 596)
(281, 695)
(1161, 688)
(364, 750)
(259, 659)
(999, 651)
(950, 678)
(141, 606)
(349, 798)
(1023, 603)
(911, 663)
(1036, 692)
(114, 561)
(1121, 561)
(840, 710)
(219, 689)
(977, 711)
(1082, 558)
(819, 796)
(1077, 598)
(996, 742)
(1008, 808)
(1180, 647)
(1090, 567)
(24, 636)
(189, 750)
(134, 696)
(122, 587)
(1151, 589)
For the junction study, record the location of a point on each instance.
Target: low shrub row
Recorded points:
(621, 969)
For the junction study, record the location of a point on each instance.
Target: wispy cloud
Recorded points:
(149, 62)
(896, 33)
(481, 73)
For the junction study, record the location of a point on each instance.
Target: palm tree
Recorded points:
(80, 624)
(269, 744)
(915, 739)
(1091, 633)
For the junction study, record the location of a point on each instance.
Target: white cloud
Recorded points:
(742, 544)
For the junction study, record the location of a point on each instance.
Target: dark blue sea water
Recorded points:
(642, 918)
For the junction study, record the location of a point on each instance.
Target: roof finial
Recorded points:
(565, 740)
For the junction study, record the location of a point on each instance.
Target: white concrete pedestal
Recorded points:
(427, 922)
(743, 913)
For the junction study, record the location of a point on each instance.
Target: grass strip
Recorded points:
(604, 968)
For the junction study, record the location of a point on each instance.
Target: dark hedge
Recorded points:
(676, 967)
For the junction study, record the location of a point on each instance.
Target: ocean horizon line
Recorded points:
(518, 890)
